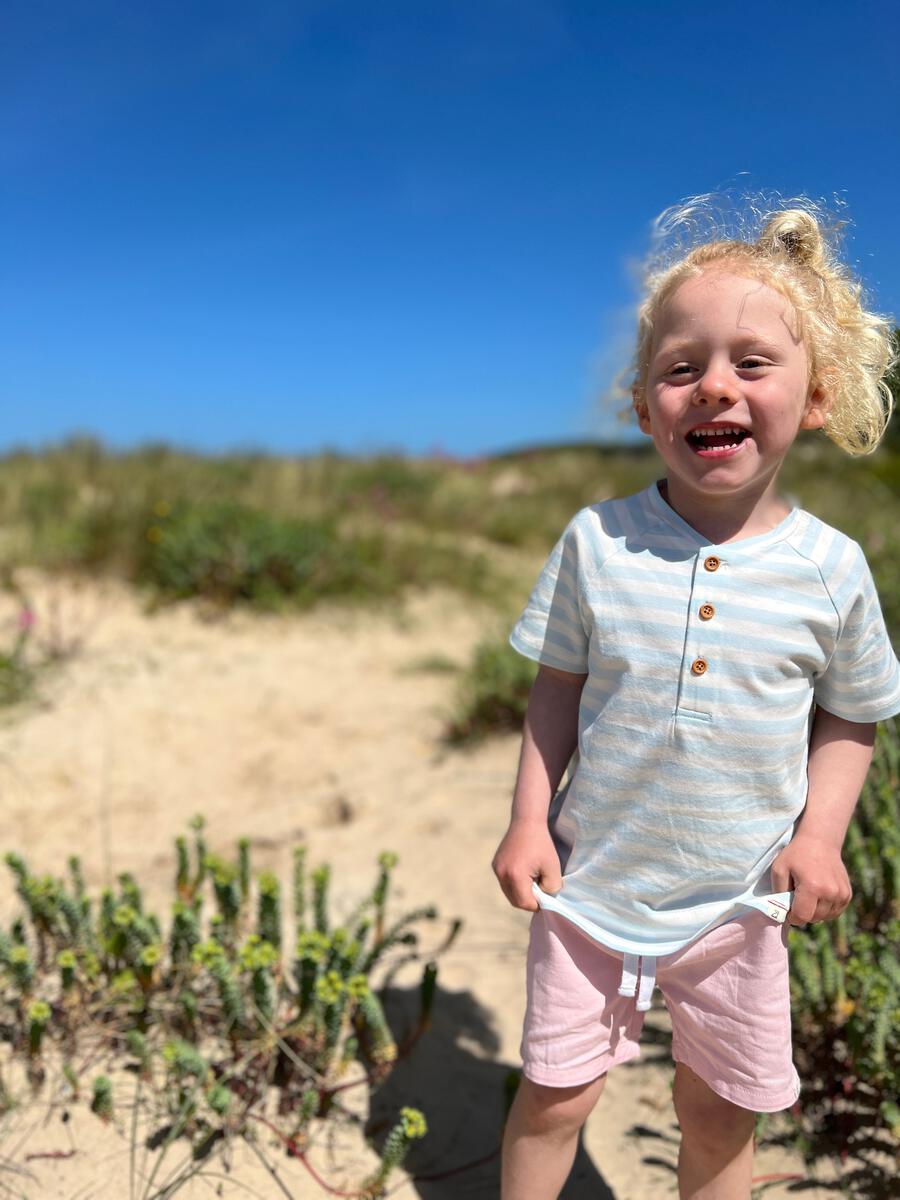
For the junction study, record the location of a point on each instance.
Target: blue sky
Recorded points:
(398, 225)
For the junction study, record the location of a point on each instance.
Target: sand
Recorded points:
(320, 726)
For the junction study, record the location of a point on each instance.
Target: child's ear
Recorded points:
(640, 407)
(818, 406)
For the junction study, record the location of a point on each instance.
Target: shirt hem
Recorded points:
(620, 945)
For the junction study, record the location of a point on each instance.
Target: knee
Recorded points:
(708, 1120)
(555, 1111)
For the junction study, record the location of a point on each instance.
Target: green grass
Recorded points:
(274, 531)
(492, 695)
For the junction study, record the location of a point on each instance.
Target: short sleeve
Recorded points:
(552, 629)
(862, 680)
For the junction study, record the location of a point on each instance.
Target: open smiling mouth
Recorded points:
(713, 440)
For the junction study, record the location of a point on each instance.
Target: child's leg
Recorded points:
(729, 999)
(577, 1027)
(716, 1157)
(541, 1137)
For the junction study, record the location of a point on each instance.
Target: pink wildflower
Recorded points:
(26, 619)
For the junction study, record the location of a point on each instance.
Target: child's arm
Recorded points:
(839, 755)
(548, 742)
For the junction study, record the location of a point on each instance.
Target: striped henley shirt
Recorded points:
(703, 666)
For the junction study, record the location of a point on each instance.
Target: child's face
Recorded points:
(727, 388)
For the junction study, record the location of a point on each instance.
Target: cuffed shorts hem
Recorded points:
(546, 1076)
(756, 1099)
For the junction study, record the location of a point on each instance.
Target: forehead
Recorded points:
(720, 304)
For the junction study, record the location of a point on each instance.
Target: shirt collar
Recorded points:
(689, 536)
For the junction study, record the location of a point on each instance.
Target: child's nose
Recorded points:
(716, 385)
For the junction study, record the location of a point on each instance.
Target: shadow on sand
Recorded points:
(453, 1076)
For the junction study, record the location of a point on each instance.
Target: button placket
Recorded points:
(699, 666)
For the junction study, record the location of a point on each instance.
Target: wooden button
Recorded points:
(707, 612)
(699, 666)
(712, 563)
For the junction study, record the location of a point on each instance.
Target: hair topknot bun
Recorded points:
(792, 246)
(796, 233)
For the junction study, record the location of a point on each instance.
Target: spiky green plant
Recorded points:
(382, 1048)
(244, 867)
(427, 993)
(321, 878)
(185, 932)
(67, 962)
(77, 878)
(198, 825)
(269, 920)
(845, 977)
(312, 950)
(259, 958)
(219, 1099)
(129, 892)
(298, 889)
(184, 1059)
(228, 890)
(39, 1013)
(221, 1014)
(182, 868)
(102, 1098)
(139, 1047)
(410, 1127)
(21, 967)
(387, 860)
(332, 997)
(309, 1107)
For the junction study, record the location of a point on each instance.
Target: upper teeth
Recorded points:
(716, 429)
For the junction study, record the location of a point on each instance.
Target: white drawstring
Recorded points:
(628, 982)
(648, 983)
(628, 986)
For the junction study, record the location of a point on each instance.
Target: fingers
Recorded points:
(820, 884)
(526, 854)
(828, 909)
(518, 891)
(520, 895)
(551, 880)
(804, 906)
(517, 886)
(810, 906)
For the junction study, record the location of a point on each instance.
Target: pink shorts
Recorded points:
(727, 995)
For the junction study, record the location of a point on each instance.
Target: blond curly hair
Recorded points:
(850, 348)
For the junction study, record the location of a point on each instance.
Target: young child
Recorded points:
(713, 662)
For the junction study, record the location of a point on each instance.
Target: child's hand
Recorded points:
(813, 869)
(526, 854)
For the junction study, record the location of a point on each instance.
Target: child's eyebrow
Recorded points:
(742, 344)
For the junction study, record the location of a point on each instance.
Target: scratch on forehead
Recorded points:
(759, 287)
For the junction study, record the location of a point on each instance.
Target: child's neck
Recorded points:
(727, 518)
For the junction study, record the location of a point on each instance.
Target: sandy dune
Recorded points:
(316, 726)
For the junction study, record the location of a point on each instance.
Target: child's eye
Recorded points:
(747, 364)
